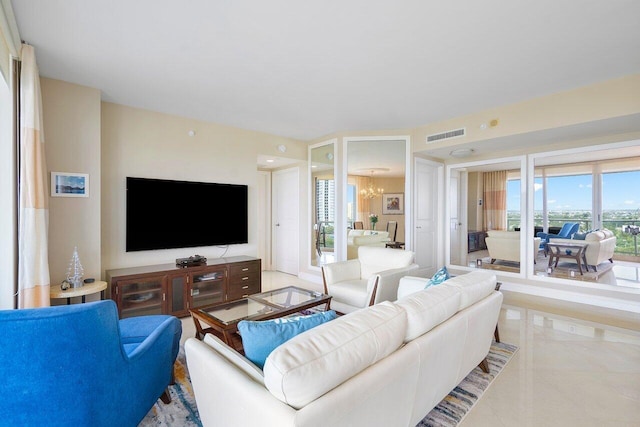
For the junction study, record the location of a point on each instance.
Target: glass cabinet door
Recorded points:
(207, 287)
(141, 297)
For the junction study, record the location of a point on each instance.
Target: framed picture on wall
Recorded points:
(67, 184)
(393, 204)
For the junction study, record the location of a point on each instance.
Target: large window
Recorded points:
(596, 195)
(325, 211)
(352, 204)
(621, 207)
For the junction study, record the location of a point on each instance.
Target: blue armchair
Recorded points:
(566, 232)
(78, 365)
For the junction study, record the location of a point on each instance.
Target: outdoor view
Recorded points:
(570, 199)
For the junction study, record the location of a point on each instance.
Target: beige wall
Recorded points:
(72, 144)
(474, 194)
(601, 101)
(147, 144)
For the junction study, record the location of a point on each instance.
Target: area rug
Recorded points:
(182, 410)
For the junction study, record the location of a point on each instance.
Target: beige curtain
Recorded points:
(495, 200)
(362, 182)
(33, 257)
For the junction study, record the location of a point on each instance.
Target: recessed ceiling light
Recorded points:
(462, 152)
(270, 160)
(313, 166)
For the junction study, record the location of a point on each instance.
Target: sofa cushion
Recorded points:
(309, 365)
(352, 292)
(473, 286)
(428, 308)
(260, 338)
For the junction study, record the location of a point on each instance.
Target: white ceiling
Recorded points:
(307, 69)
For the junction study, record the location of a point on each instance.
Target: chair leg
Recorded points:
(165, 396)
(496, 335)
(484, 365)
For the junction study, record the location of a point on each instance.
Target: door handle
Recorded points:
(277, 224)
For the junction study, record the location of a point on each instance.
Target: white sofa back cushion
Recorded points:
(316, 361)
(428, 308)
(473, 286)
(374, 259)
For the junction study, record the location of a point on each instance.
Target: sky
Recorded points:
(621, 192)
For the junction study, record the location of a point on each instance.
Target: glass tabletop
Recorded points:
(239, 310)
(257, 306)
(287, 297)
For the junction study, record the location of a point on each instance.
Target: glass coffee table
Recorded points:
(222, 319)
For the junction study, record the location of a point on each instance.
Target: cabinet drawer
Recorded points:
(242, 291)
(243, 269)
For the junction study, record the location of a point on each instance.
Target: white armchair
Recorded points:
(371, 278)
(505, 245)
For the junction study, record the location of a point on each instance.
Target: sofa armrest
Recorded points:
(226, 396)
(388, 282)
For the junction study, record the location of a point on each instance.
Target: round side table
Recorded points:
(82, 291)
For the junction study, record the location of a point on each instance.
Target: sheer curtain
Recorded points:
(33, 255)
(495, 200)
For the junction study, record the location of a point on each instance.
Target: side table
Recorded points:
(568, 250)
(87, 289)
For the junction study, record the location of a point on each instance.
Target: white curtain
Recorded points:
(33, 256)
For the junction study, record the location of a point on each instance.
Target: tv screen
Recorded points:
(167, 214)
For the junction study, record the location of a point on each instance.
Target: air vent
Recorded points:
(456, 133)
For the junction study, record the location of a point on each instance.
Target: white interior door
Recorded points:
(455, 221)
(286, 227)
(427, 205)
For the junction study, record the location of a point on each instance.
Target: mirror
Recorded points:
(485, 215)
(376, 186)
(323, 203)
(590, 189)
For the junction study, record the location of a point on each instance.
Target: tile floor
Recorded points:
(568, 371)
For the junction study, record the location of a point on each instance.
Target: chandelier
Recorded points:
(370, 192)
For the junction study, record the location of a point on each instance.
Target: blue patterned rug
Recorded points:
(182, 410)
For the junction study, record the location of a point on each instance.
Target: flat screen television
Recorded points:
(168, 214)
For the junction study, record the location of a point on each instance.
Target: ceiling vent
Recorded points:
(450, 134)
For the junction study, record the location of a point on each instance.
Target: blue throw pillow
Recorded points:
(439, 277)
(579, 236)
(260, 338)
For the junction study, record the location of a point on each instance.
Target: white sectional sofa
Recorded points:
(601, 245)
(385, 365)
(357, 238)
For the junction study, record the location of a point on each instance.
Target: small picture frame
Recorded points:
(68, 184)
(393, 204)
